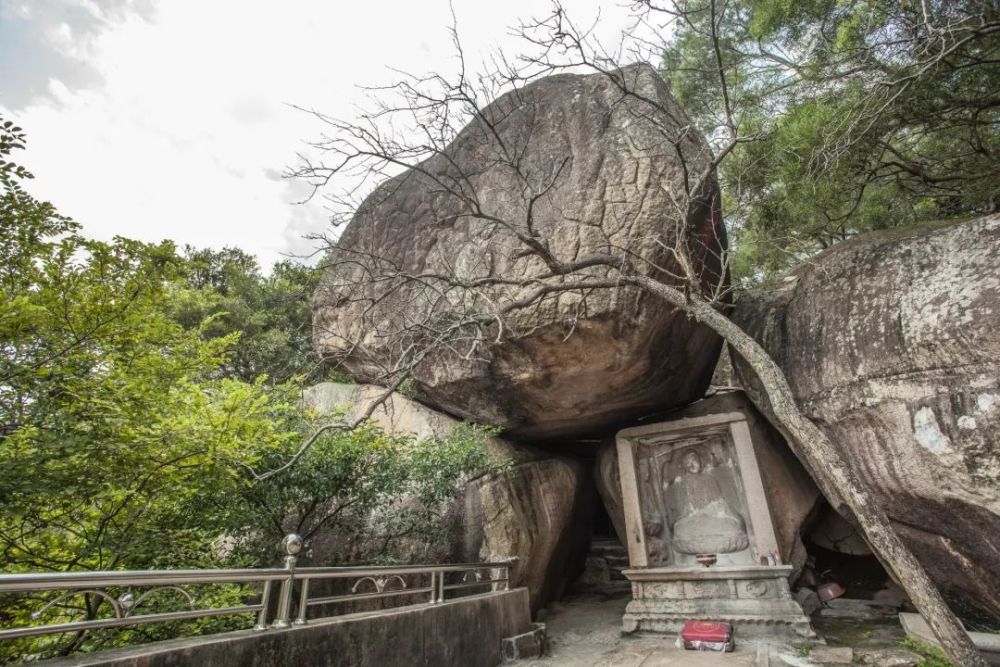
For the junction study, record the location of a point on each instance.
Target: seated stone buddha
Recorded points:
(707, 523)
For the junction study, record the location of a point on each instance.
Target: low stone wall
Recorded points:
(465, 631)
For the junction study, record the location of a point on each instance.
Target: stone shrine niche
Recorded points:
(693, 499)
(700, 536)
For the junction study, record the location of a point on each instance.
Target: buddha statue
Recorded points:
(706, 523)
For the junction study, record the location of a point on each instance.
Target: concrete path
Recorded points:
(586, 632)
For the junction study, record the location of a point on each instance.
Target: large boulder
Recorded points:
(891, 344)
(537, 513)
(603, 165)
(792, 496)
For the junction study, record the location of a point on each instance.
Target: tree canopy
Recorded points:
(851, 115)
(225, 292)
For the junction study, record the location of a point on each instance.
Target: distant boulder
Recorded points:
(891, 344)
(574, 362)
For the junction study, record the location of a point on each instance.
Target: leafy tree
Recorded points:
(113, 422)
(371, 496)
(852, 115)
(224, 293)
(127, 431)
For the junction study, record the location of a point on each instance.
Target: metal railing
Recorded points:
(429, 582)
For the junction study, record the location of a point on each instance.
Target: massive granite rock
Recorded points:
(603, 166)
(538, 513)
(891, 343)
(792, 495)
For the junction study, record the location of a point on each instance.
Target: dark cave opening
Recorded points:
(601, 526)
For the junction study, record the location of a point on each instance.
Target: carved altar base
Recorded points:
(755, 599)
(700, 535)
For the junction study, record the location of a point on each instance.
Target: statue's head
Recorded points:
(691, 461)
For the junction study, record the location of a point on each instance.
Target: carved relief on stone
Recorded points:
(707, 523)
(694, 590)
(754, 588)
(691, 499)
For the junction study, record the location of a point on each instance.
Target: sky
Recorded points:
(173, 119)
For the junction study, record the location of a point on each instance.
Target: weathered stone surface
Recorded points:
(891, 343)
(832, 655)
(537, 513)
(887, 657)
(834, 532)
(526, 645)
(791, 493)
(572, 363)
(808, 600)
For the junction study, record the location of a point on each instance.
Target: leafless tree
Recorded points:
(406, 316)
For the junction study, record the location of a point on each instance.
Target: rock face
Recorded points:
(891, 343)
(792, 495)
(541, 516)
(537, 513)
(598, 171)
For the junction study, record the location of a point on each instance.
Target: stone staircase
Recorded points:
(603, 570)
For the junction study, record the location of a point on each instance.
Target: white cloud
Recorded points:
(183, 134)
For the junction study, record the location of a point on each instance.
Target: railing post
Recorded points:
(265, 599)
(441, 578)
(434, 586)
(300, 618)
(293, 545)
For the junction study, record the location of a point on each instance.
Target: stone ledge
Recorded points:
(703, 573)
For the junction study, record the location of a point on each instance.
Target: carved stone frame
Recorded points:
(764, 543)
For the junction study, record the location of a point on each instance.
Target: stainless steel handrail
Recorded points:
(370, 583)
(51, 581)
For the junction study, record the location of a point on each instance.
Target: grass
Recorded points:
(931, 656)
(804, 650)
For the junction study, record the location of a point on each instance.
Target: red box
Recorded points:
(707, 636)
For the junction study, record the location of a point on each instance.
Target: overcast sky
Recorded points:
(159, 119)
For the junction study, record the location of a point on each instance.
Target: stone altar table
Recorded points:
(701, 541)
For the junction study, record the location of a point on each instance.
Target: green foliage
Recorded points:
(931, 656)
(139, 388)
(97, 378)
(114, 421)
(224, 293)
(382, 496)
(850, 115)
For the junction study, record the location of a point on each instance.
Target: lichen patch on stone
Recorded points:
(928, 432)
(986, 402)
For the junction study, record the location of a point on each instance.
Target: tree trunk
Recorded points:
(825, 459)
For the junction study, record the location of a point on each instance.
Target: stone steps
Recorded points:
(605, 562)
(607, 546)
(614, 554)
